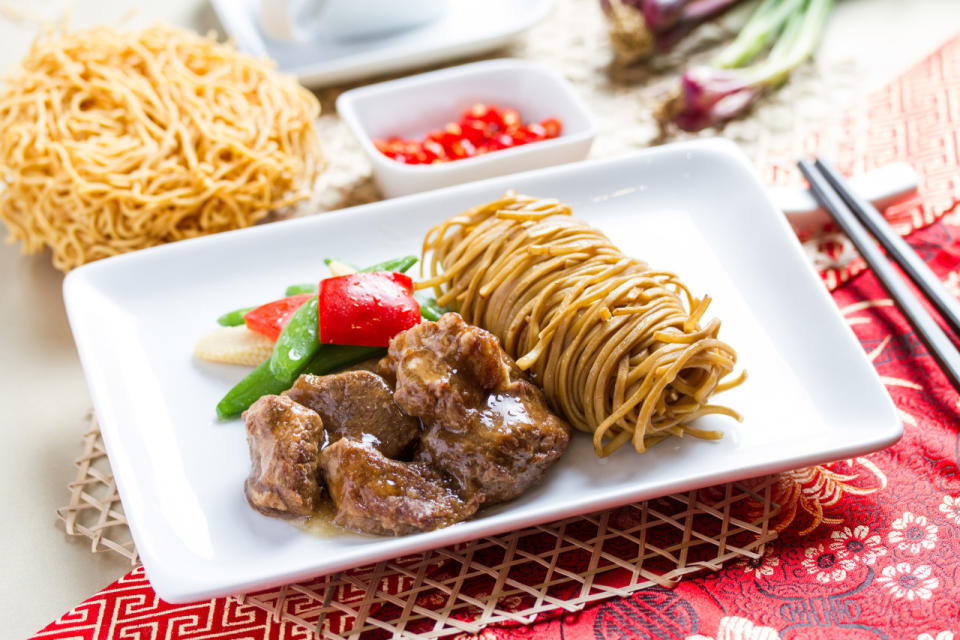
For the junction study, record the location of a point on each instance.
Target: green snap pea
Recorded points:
(333, 357)
(297, 289)
(320, 360)
(261, 382)
(300, 337)
(396, 264)
(327, 262)
(430, 310)
(297, 343)
(234, 318)
(399, 264)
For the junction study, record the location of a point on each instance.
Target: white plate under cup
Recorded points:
(299, 20)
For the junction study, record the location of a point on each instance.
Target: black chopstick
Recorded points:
(937, 342)
(912, 264)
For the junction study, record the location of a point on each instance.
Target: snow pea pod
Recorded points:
(297, 343)
(400, 265)
(296, 289)
(430, 310)
(261, 382)
(234, 318)
(300, 337)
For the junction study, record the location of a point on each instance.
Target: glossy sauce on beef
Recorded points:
(486, 425)
(321, 523)
(483, 434)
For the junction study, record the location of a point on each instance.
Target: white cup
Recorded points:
(299, 20)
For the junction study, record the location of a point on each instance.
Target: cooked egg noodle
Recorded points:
(617, 347)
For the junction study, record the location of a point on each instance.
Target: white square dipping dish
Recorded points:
(694, 208)
(412, 107)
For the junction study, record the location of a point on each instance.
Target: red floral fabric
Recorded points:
(914, 119)
(881, 565)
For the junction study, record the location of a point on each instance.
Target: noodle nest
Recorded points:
(617, 346)
(112, 141)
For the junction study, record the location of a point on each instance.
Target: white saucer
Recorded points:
(469, 27)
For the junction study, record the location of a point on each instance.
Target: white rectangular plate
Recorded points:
(696, 209)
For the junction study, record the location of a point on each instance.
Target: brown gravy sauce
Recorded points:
(321, 524)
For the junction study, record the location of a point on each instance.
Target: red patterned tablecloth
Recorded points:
(883, 563)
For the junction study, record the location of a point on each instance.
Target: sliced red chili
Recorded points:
(481, 129)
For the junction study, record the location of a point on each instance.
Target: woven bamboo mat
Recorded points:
(511, 578)
(94, 510)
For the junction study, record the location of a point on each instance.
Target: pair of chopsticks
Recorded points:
(856, 216)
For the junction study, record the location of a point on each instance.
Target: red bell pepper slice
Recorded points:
(270, 318)
(366, 309)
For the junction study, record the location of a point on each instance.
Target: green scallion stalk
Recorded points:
(712, 95)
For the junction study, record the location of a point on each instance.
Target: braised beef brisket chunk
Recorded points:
(285, 440)
(486, 426)
(377, 495)
(487, 435)
(357, 405)
(369, 364)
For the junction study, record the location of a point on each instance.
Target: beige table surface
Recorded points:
(43, 395)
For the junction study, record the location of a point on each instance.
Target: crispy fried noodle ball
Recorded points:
(115, 140)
